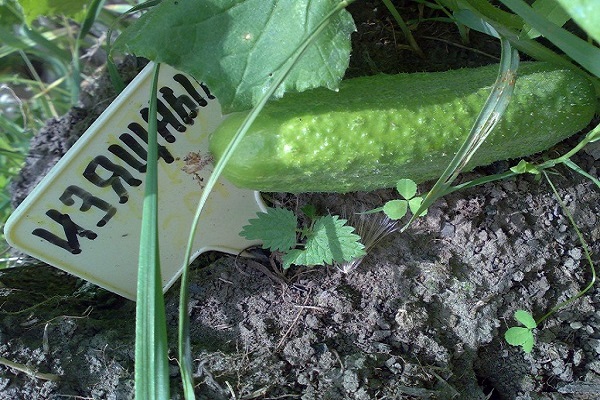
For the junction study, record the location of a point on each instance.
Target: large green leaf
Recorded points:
(586, 13)
(35, 8)
(237, 46)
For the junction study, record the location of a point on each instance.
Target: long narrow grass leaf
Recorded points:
(550, 10)
(185, 358)
(115, 78)
(584, 53)
(49, 45)
(90, 17)
(486, 121)
(522, 43)
(151, 358)
(586, 13)
(579, 170)
(405, 29)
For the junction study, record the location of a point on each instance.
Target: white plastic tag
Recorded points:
(85, 216)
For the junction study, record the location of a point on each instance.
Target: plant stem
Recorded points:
(405, 30)
(585, 249)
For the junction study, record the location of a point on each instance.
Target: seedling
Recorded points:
(327, 239)
(522, 336)
(396, 209)
(518, 336)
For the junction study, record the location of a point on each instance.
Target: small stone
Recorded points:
(383, 324)
(518, 276)
(381, 334)
(447, 230)
(576, 325)
(577, 357)
(594, 366)
(575, 253)
(595, 345)
(589, 329)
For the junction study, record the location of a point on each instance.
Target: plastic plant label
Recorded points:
(85, 216)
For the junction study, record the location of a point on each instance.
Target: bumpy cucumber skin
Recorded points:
(379, 129)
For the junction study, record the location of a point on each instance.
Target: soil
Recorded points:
(421, 317)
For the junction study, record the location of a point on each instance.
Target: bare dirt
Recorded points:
(422, 317)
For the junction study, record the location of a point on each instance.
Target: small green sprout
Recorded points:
(524, 167)
(396, 209)
(326, 239)
(522, 336)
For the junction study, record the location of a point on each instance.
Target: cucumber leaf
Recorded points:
(237, 47)
(586, 13)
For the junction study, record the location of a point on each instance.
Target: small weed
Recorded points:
(398, 208)
(325, 240)
(522, 336)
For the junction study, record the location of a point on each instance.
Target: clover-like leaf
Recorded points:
(525, 318)
(395, 209)
(519, 336)
(524, 167)
(414, 205)
(407, 188)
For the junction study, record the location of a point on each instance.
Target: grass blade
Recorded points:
(487, 119)
(586, 251)
(584, 53)
(151, 360)
(48, 45)
(405, 29)
(113, 72)
(185, 359)
(90, 18)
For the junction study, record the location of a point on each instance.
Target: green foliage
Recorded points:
(396, 209)
(276, 228)
(578, 49)
(519, 336)
(244, 44)
(33, 9)
(552, 11)
(243, 49)
(328, 239)
(524, 167)
(151, 342)
(586, 13)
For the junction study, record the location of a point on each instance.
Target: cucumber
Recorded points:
(376, 130)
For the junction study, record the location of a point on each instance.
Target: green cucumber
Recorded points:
(376, 130)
